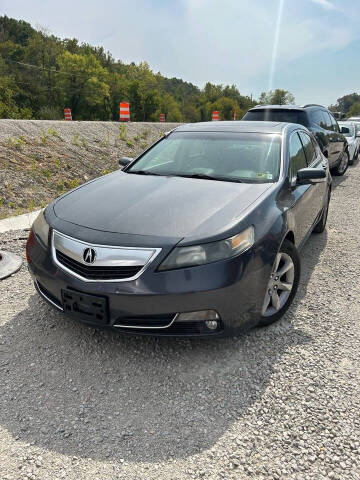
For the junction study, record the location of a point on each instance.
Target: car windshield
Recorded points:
(236, 157)
(276, 115)
(349, 127)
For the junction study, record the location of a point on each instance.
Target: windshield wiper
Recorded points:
(203, 176)
(143, 172)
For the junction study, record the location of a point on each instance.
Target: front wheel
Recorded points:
(342, 166)
(282, 285)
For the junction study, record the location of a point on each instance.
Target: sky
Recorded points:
(309, 47)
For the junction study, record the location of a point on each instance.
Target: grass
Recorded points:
(76, 139)
(75, 182)
(53, 132)
(122, 133)
(17, 142)
(31, 205)
(44, 172)
(44, 139)
(130, 143)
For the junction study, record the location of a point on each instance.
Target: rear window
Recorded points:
(276, 115)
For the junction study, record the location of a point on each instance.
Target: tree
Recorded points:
(226, 107)
(136, 101)
(83, 84)
(151, 105)
(277, 97)
(354, 110)
(345, 103)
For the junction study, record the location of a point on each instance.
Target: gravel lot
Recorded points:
(275, 403)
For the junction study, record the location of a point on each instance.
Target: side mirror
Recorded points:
(345, 130)
(308, 176)
(124, 161)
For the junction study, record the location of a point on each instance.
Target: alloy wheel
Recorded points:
(280, 284)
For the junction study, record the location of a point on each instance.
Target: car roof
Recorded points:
(236, 126)
(288, 107)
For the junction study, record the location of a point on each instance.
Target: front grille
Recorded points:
(91, 272)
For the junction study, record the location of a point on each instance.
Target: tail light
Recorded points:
(29, 244)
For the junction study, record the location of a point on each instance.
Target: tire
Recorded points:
(352, 160)
(342, 166)
(320, 226)
(271, 315)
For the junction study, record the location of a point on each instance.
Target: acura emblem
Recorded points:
(89, 255)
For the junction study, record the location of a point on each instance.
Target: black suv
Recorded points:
(319, 120)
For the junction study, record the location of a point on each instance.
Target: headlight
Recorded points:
(41, 228)
(182, 257)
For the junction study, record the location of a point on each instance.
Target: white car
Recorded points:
(352, 133)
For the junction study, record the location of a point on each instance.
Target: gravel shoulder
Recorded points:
(274, 403)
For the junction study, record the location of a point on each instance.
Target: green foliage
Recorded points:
(50, 113)
(16, 142)
(75, 182)
(277, 97)
(130, 143)
(346, 103)
(354, 110)
(64, 73)
(45, 173)
(122, 132)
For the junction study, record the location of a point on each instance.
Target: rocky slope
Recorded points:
(41, 159)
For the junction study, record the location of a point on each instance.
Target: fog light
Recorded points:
(201, 315)
(211, 324)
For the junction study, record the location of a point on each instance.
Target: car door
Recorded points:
(331, 146)
(337, 139)
(302, 196)
(317, 191)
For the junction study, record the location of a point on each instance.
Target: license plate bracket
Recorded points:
(85, 307)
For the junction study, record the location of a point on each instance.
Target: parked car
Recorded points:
(352, 134)
(198, 236)
(318, 120)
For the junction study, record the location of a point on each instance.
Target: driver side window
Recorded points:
(297, 159)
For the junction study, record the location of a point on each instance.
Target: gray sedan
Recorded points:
(198, 236)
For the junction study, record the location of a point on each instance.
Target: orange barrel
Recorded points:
(124, 112)
(162, 117)
(215, 116)
(67, 114)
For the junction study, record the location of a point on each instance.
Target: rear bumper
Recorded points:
(233, 288)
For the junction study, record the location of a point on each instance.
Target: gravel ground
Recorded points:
(275, 403)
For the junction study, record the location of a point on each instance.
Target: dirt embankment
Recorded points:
(41, 159)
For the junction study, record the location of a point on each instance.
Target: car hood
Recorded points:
(159, 206)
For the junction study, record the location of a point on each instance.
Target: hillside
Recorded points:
(39, 160)
(41, 74)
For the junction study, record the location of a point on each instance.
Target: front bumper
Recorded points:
(234, 288)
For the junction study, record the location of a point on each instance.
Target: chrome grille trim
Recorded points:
(42, 293)
(106, 256)
(147, 327)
